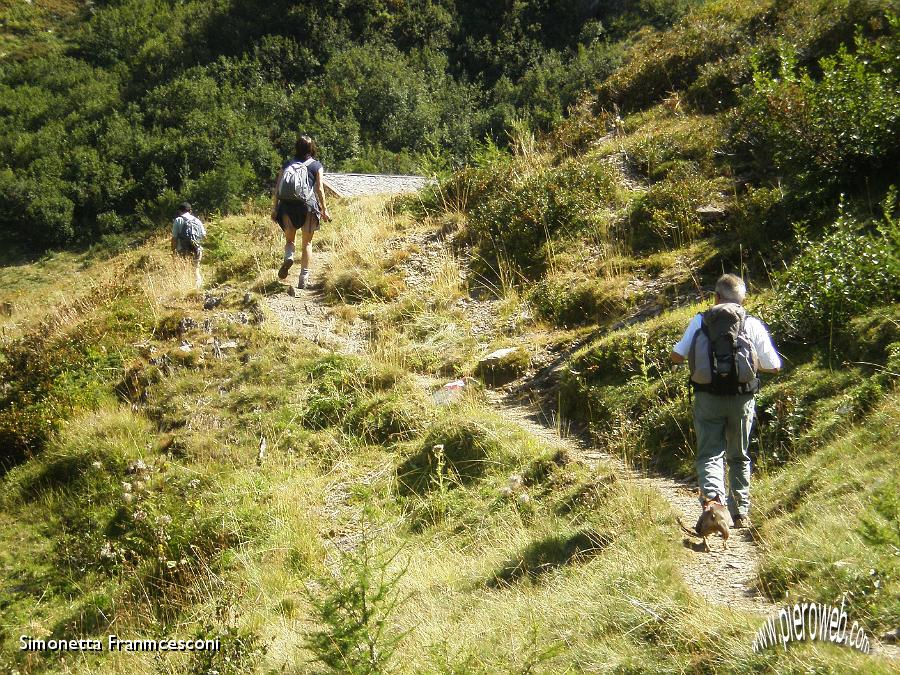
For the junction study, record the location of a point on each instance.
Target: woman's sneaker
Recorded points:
(285, 266)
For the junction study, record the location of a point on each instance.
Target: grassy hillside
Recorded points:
(150, 512)
(376, 529)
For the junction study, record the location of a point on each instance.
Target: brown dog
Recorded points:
(714, 518)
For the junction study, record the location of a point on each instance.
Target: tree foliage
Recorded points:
(821, 135)
(142, 102)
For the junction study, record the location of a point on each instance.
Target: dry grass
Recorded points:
(621, 607)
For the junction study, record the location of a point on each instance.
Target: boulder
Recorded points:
(710, 213)
(503, 366)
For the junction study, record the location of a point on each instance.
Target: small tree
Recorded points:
(355, 609)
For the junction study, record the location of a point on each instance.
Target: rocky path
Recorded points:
(724, 577)
(304, 313)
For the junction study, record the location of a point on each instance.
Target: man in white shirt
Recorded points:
(723, 420)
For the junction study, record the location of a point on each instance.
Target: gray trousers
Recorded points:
(723, 427)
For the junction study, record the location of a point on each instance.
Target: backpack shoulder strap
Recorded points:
(704, 322)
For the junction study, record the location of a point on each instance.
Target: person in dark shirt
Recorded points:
(293, 216)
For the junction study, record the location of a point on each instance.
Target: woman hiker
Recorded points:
(298, 203)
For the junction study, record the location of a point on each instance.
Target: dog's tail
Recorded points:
(693, 533)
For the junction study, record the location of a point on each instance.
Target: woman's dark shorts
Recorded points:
(297, 214)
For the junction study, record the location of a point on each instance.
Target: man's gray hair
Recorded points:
(731, 288)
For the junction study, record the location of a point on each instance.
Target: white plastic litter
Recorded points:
(450, 392)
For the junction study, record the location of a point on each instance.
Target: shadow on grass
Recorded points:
(468, 449)
(548, 554)
(14, 252)
(56, 474)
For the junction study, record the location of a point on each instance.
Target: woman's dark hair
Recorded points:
(306, 146)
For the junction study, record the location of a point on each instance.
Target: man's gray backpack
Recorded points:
(722, 357)
(295, 185)
(191, 233)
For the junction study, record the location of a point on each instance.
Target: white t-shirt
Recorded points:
(759, 336)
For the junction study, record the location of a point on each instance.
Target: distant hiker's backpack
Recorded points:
(722, 357)
(191, 233)
(295, 185)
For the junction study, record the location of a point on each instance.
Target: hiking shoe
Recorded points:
(285, 266)
(741, 522)
(302, 282)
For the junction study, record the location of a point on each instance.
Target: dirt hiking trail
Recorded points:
(723, 577)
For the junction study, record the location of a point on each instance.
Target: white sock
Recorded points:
(304, 272)
(289, 251)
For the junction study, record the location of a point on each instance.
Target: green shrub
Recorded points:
(666, 215)
(360, 397)
(387, 417)
(470, 448)
(823, 135)
(515, 224)
(809, 405)
(355, 610)
(718, 83)
(223, 188)
(846, 272)
(574, 302)
(50, 219)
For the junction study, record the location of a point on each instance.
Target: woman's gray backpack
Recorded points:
(722, 358)
(295, 185)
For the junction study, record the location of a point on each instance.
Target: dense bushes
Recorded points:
(143, 103)
(822, 135)
(837, 277)
(666, 215)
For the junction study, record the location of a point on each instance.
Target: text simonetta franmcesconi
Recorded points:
(113, 643)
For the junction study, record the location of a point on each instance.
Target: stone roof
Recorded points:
(356, 184)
